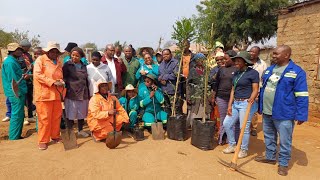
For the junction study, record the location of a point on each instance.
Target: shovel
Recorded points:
(233, 165)
(114, 137)
(14, 84)
(68, 136)
(156, 127)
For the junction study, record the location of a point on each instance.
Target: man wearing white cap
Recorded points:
(11, 71)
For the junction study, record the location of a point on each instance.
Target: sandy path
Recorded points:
(151, 159)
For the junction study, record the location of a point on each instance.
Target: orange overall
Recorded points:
(47, 98)
(99, 121)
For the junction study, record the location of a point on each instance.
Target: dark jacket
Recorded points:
(120, 70)
(76, 81)
(168, 72)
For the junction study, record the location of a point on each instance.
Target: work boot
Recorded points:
(230, 149)
(282, 170)
(242, 154)
(254, 133)
(263, 159)
(6, 119)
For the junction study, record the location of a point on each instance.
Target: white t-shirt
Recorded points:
(112, 67)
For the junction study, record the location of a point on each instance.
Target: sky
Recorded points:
(138, 22)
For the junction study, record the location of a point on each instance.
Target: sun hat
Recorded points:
(151, 76)
(220, 54)
(245, 56)
(70, 46)
(52, 45)
(218, 45)
(100, 82)
(149, 49)
(13, 47)
(231, 53)
(129, 87)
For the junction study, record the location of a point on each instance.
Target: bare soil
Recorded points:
(148, 159)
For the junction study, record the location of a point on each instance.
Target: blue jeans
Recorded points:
(8, 104)
(271, 129)
(238, 111)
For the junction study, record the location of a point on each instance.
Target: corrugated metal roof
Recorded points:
(297, 5)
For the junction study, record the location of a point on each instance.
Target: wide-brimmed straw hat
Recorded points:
(149, 49)
(52, 45)
(245, 56)
(129, 87)
(100, 82)
(13, 47)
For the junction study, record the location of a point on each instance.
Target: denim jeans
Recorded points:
(238, 111)
(8, 104)
(271, 129)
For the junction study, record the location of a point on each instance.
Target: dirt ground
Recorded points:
(148, 159)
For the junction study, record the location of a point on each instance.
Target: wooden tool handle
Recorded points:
(245, 120)
(115, 114)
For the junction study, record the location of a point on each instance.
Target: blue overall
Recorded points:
(152, 106)
(132, 109)
(11, 70)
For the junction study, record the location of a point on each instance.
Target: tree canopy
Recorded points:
(17, 36)
(237, 21)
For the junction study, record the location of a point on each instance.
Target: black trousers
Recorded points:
(70, 124)
(29, 98)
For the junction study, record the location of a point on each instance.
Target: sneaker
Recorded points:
(26, 122)
(6, 119)
(43, 146)
(31, 120)
(242, 154)
(229, 150)
(83, 134)
(282, 170)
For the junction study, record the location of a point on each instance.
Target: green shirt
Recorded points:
(270, 90)
(130, 76)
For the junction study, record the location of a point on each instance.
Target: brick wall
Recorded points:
(300, 30)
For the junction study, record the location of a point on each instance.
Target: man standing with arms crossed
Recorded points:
(283, 100)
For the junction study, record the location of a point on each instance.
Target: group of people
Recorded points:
(119, 84)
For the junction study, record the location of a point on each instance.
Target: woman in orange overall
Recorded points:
(47, 78)
(101, 112)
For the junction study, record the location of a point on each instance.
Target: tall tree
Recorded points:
(5, 38)
(238, 21)
(20, 35)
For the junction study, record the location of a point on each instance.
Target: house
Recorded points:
(299, 27)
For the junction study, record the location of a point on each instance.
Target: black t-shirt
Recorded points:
(243, 83)
(224, 82)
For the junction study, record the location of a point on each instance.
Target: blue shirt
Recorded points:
(242, 82)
